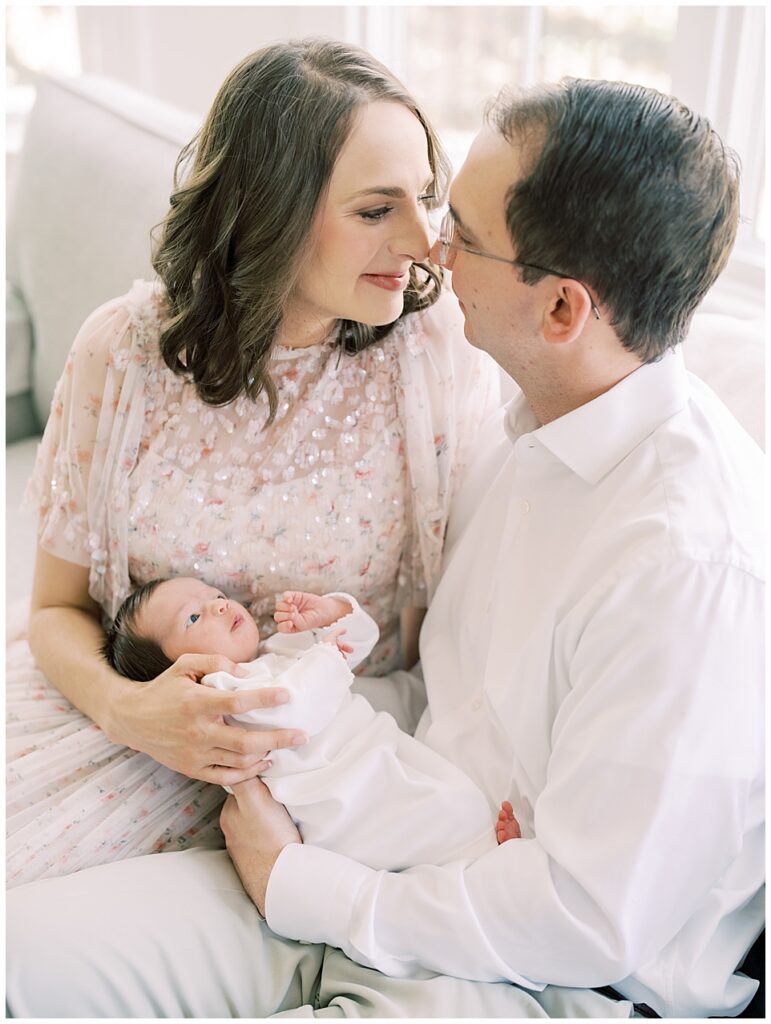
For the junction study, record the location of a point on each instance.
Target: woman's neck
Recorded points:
(302, 331)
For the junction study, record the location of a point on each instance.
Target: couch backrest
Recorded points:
(94, 177)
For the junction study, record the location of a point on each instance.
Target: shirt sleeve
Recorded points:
(656, 751)
(88, 448)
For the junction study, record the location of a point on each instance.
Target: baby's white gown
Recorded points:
(360, 786)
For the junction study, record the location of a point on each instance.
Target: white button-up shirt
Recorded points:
(593, 654)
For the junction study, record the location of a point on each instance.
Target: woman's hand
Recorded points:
(256, 828)
(181, 724)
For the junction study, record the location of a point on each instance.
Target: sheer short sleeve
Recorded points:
(448, 389)
(91, 440)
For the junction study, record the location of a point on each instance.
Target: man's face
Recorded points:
(502, 314)
(186, 616)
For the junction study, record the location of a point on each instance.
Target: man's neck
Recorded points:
(554, 394)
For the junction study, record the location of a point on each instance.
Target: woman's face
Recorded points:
(371, 227)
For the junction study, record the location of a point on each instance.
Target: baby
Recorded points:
(356, 759)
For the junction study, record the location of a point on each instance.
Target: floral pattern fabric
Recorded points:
(136, 478)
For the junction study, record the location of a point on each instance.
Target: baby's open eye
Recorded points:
(191, 619)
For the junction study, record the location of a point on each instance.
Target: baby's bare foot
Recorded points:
(507, 826)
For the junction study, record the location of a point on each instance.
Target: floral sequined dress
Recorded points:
(136, 478)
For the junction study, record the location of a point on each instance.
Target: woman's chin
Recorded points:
(382, 314)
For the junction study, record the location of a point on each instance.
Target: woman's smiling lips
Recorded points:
(390, 282)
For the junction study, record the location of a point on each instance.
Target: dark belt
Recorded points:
(641, 1009)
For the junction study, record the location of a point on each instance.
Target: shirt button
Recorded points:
(524, 507)
(476, 705)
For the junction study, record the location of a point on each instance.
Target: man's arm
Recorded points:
(655, 752)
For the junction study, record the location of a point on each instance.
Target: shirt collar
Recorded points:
(594, 438)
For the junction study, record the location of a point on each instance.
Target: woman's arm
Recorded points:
(172, 718)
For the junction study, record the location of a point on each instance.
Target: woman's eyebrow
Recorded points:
(394, 191)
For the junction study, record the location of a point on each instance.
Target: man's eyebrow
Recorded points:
(394, 191)
(459, 221)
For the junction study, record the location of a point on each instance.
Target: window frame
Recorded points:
(728, 87)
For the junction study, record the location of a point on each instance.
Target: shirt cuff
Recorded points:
(311, 894)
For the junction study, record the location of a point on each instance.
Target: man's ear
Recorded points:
(568, 310)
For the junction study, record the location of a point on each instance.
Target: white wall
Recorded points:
(182, 54)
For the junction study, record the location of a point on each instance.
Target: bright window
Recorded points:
(713, 58)
(37, 39)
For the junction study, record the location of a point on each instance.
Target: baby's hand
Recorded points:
(335, 638)
(297, 611)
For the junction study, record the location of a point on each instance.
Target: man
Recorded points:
(592, 654)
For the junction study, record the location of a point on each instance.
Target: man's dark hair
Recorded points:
(134, 656)
(626, 190)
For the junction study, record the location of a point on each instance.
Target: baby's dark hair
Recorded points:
(134, 656)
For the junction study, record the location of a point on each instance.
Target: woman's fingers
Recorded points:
(196, 666)
(223, 776)
(253, 763)
(237, 702)
(253, 742)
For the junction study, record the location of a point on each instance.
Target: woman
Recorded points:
(286, 408)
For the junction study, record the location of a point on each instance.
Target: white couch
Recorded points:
(94, 177)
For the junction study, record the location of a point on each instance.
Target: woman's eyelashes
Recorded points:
(376, 215)
(383, 211)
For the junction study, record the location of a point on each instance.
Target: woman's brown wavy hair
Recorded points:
(246, 191)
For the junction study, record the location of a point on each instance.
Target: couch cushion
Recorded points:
(94, 177)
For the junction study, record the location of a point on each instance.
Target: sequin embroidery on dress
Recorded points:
(137, 478)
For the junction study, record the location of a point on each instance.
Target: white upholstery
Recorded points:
(94, 177)
(729, 355)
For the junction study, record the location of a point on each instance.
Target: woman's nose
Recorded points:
(413, 240)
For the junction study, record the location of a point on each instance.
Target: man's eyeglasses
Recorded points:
(447, 243)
